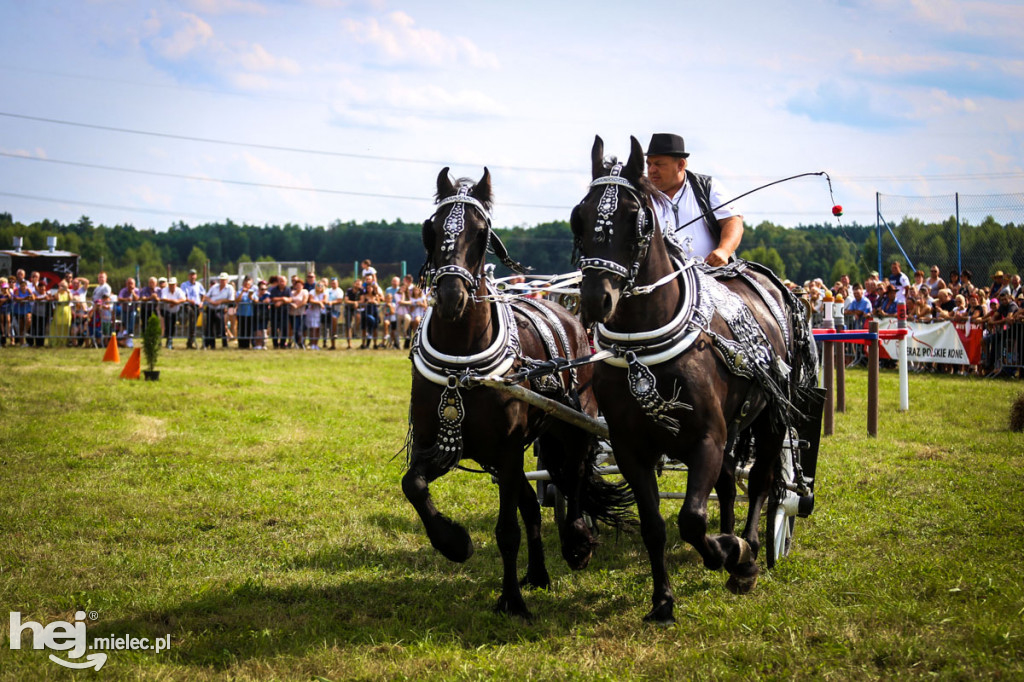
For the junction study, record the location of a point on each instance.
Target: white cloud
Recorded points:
(973, 18)
(226, 7)
(151, 197)
(394, 104)
(398, 41)
(37, 153)
(185, 38)
(190, 35)
(255, 58)
(899, 63)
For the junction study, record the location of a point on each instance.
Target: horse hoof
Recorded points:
(661, 616)
(746, 553)
(452, 540)
(741, 584)
(513, 607)
(538, 582)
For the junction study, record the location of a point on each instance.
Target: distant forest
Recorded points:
(799, 253)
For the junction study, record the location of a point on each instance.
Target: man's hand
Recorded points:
(717, 257)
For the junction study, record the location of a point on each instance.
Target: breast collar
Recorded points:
(669, 341)
(497, 359)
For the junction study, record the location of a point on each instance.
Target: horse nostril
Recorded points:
(606, 305)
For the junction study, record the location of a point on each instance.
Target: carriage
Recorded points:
(707, 371)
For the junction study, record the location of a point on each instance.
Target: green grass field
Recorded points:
(249, 506)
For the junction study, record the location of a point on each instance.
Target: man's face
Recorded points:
(395, 282)
(666, 172)
(934, 272)
(102, 278)
(858, 293)
(192, 277)
(895, 268)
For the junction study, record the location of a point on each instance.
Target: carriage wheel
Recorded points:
(779, 524)
(780, 533)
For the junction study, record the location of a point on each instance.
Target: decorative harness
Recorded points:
(453, 372)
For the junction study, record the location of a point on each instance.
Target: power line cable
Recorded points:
(948, 177)
(246, 183)
(280, 148)
(93, 204)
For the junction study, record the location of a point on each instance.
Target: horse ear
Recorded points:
(635, 165)
(428, 236)
(482, 189)
(445, 188)
(597, 158)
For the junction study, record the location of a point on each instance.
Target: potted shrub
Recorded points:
(151, 347)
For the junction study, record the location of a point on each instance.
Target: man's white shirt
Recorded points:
(694, 239)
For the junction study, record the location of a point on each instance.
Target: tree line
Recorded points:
(798, 253)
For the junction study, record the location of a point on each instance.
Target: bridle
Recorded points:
(453, 226)
(606, 208)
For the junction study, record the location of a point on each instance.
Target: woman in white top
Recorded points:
(314, 308)
(297, 311)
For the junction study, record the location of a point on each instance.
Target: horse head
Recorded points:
(612, 228)
(456, 238)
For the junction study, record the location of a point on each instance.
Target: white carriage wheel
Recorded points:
(779, 524)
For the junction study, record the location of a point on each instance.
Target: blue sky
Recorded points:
(240, 108)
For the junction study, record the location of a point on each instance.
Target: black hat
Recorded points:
(667, 144)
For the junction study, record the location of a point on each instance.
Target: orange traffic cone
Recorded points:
(132, 368)
(112, 355)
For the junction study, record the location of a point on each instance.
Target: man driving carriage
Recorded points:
(688, 196)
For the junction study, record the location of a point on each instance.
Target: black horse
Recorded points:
(701, 365)
(469, 333)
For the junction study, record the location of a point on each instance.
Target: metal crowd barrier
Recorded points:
(250, 325)
(1002, 348)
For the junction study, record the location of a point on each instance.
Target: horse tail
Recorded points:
(603, 500)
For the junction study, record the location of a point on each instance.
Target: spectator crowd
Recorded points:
(276, 313)
(997, 307)
(316, 313)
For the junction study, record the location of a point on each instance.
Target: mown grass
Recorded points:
(249, 505)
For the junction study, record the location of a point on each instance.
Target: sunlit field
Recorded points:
(248, 505)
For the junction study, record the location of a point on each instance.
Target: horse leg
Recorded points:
(767, 451)
(720, 551)
(447, 536)
(507, 534)
(565, 457)
(725, 486)
(644, 484)
(529, 509)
